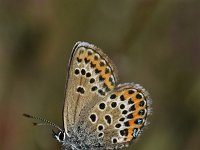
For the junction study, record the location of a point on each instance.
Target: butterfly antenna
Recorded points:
(45, 122)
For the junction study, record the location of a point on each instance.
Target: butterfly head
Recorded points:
(60, 136)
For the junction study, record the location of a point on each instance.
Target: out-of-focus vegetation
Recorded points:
(153, 42)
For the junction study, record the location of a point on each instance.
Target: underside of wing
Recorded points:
(90, 78)
(120, 116)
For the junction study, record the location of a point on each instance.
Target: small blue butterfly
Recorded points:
(99, 113)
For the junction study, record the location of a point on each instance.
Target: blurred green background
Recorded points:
(153, 42)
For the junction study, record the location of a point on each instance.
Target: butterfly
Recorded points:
(98, 112)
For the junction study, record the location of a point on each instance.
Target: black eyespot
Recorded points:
(88, 74)
(121, 132)
(130, 101)
(111, 79)
(100, 127)
(141, 112)
(124, 112)
(101, 92)
(138, 96)
(101, 78)
(94, 88)
(130, 116)
(97, 71)
(138, 121)
(113, 104)
(141, 103)
(118, 125)
(124, 132)
(122, 106)
(86, 60)
(78, 59)
(100, 134)
(102, 64)
(114, 140)
(108, 119)
(80, 90)
(83, 71)
(76, 71)
(127, 124)
(92, 65)
(107, 71)
(102, 106)
(122, 98)
(122, 119)
(113, 96)
(92, 80)
(132, 108)
(93, 117)
(131, 92)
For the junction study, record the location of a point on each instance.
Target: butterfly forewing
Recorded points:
(120, 116)
(90, 78)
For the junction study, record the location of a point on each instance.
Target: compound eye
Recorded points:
(61, 136)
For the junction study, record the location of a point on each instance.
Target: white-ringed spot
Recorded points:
(131, 91)
(113, 105)
(76, 71)
(102, 106)
(139, 96)
(108, 119)
(88, 74)
(114, 140)
(121, 106)
(142, 112)
(83, 72)
(118, 125)
(100, 127)
(93, 117)
(94, 88)
(113, 96)
(142, 103)
(101, 134)
(92, 80)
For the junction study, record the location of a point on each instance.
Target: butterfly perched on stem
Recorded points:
(99, 113)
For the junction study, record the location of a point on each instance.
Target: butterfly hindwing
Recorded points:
(90, 78)
(120, 116)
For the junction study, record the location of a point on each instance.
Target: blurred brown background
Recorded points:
(153, 42)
